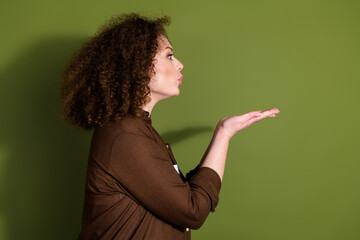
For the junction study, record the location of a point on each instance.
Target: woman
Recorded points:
(134, 189)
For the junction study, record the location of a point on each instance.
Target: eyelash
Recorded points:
(170, 55)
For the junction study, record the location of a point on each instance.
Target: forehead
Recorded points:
(164, 44)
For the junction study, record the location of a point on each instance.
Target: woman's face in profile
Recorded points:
(165, 83)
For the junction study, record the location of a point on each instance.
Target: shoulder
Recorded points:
(129, 125)
(120, 136)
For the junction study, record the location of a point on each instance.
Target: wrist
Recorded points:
(221, 132)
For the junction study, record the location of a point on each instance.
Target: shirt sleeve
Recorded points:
(192, 172)
(145, 170)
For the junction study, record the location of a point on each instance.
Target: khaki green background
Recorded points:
(293, 177)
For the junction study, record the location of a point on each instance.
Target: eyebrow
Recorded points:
(170, 48)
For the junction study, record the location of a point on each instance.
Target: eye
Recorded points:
(170, 56)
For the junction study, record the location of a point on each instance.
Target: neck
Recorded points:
(149, 106)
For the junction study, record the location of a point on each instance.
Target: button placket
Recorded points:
(168, 148)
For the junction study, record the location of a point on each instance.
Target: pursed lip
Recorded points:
(180, 80)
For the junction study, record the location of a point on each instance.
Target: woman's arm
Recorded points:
(142, 168)
(215, 155)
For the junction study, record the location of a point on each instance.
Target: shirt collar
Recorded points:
(145, 115)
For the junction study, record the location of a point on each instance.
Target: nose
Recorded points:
(180, 66)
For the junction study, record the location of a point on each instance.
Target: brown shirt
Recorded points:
(134, 191)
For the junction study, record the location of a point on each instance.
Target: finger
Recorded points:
(274, 111)
(255, 116)
(264, 114)
(250, 115)
(271, 112)
(257, 119)
(252, 121)
(258, 115)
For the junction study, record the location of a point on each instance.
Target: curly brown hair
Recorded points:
(108, 77)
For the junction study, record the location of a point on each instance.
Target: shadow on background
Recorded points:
(44, 160)
(174, 137)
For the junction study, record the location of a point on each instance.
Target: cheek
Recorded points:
(163, 71)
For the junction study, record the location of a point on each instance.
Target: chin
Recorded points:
(175, 93)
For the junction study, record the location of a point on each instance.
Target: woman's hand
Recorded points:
(232, 125)
(215, 155)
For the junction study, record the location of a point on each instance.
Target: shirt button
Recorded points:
(187, 229)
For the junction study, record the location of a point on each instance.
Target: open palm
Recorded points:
(233, 125)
